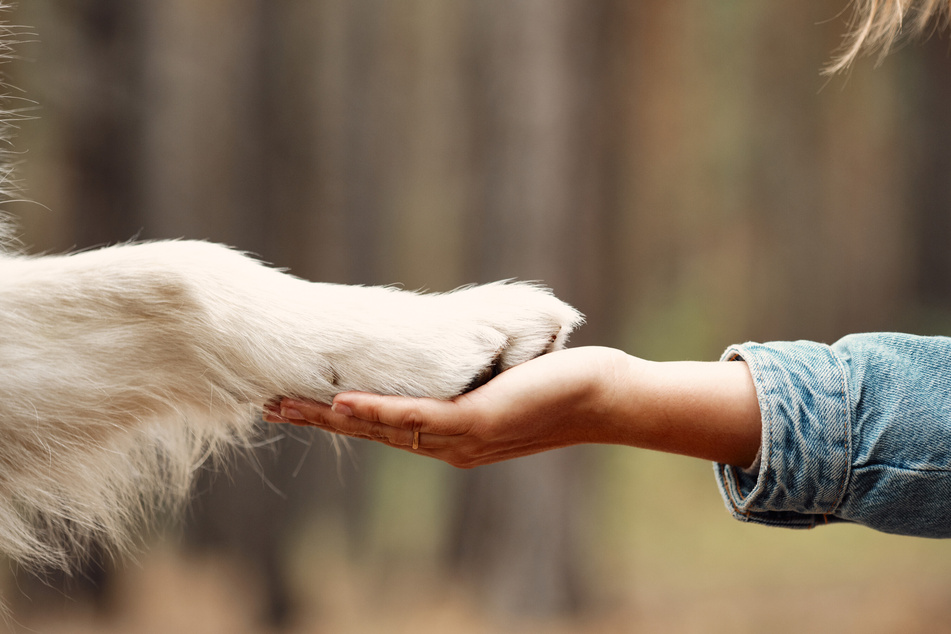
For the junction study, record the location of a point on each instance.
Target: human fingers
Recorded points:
(341, 421)
(408, 418)
(425, 415)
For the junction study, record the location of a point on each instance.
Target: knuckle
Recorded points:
(411, 419)
(370, 412)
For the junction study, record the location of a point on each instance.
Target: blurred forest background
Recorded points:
(676, 169)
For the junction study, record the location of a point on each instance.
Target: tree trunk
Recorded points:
(534, 116)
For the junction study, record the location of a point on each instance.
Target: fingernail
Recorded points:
(273, 418)
(290, 412)
(343, 410)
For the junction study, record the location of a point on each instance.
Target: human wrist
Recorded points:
(617, 402)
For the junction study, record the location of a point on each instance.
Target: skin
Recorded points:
(571, 397)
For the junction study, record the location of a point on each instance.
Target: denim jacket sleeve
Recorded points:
(859, 431)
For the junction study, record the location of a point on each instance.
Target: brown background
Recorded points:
(677, 169)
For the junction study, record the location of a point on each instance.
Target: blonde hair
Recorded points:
(877, 25)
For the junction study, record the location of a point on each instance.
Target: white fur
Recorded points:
(122, 369)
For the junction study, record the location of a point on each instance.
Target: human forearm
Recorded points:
(705, 410)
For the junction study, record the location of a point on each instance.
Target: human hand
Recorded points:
(581, 395)
(556, 400)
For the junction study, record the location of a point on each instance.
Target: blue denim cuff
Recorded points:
(800, 477)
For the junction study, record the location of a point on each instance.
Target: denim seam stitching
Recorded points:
(847, 421)
(885, 465)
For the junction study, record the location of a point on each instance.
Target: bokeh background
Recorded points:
(677, 169)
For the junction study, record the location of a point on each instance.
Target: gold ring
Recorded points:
(415, 440)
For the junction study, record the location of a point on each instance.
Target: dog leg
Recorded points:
(122, 369)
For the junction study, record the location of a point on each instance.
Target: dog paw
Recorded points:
(529, 319)
(472, 334)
